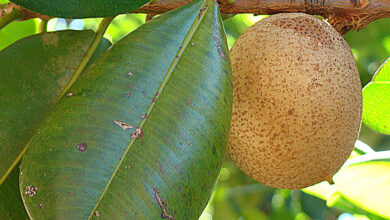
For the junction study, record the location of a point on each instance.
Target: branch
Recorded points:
(11, 12)
(344, 15)
(8, 15)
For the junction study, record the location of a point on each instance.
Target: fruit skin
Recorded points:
(297, 101)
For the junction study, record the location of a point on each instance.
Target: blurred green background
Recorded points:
(236, 196)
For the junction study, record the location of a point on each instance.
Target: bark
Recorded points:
(344, 15)
(27, 14)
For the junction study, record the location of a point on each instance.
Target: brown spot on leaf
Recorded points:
(50, 39)
(163, 205)
(30, 191)
(82, 147)
(138, 133)
(220, 50)
(129, 74)
(123, 125)
(155, 97)
(189, 102)
(177, 168)
(161, 168)
(201, 12)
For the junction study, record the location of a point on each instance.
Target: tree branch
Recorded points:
(344, 15)
(25, 14)
(9, 17)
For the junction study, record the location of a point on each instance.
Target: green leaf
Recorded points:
(335, 199)
(365, 181)
(11, 205)
(322, 190)
(171, 78)
(340, 202)
(81, 8)
(383, 73)
(376, 100)
(16, 31)
(33, 74)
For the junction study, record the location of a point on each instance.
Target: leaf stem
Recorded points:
(43, 26)
(14, 15)
(87, 56)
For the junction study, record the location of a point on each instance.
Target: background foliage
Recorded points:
(236, 196)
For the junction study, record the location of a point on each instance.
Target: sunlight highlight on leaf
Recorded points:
(365, 181)
(376, 100)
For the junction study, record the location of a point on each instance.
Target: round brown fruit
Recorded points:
(297, 101)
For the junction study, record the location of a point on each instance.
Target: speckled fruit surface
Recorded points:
(297, 101)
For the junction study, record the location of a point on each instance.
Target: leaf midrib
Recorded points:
(198, 20)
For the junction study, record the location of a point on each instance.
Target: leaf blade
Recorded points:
(16, 31)
(376, 99)
(33, 73)
(365, 181)
(383, 73)
(160, 195)
(122, 91)
(11, 205)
